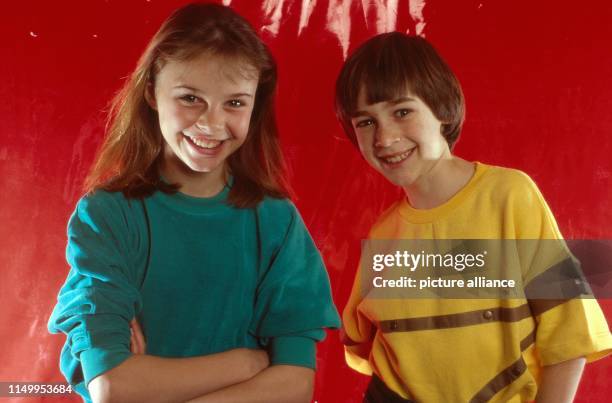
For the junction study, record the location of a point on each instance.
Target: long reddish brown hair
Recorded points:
(130, 156)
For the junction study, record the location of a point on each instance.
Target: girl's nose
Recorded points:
(210, 121)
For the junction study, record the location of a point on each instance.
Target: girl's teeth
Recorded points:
(398, 158)
(205, 143)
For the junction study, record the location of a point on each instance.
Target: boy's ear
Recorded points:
(149, 95)
(444, 128)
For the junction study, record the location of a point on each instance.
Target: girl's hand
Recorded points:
(137, 340)
(256, 360)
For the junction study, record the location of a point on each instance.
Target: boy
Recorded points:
(403, 107)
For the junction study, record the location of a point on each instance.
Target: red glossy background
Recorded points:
(537, 79)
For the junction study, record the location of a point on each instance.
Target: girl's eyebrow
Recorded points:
(185, 87)
(236, 95)
(359, 114)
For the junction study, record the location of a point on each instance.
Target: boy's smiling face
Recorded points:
(400, 138)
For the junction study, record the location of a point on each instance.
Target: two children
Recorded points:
(186, 232)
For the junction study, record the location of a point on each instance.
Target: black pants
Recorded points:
(378, 392)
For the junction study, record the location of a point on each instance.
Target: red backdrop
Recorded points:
(537, 79)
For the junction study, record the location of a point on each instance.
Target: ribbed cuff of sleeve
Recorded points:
(294, 350)
(96, 361)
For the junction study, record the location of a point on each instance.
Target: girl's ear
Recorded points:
(149, 95)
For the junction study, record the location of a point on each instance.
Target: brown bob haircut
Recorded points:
(386, 67)
(130, 156)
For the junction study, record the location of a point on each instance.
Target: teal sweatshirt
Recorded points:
(200, 276)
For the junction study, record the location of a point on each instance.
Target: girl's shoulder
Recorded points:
(102, 199)
(111, 210)
(279, 218)
(107, 229)
(277, 209)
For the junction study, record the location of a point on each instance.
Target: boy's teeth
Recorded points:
(398, 158)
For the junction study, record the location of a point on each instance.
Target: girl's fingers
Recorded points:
(133, 347)
(138, 336)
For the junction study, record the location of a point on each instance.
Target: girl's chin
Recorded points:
(201, 169)
(187, 166)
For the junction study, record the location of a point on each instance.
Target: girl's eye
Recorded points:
(364, 123)
(235, 103)
(400, 113)
(190, 99)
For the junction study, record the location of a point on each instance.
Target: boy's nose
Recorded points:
(385, 137)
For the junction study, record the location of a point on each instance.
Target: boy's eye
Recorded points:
(235, 103)
(190, 99)
(400, 113)
(364, 123)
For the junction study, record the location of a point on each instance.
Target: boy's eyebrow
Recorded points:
(394, 102)
(236, 95)
(401, 100)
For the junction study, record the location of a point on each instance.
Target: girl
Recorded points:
(403, 107)
(186, 227)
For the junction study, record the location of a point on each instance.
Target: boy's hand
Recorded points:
(137, 340)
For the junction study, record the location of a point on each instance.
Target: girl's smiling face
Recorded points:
(400, 138)
(204, 106)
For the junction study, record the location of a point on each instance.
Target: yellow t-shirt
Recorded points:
(460, 350)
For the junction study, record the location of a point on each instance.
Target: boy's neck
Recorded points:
(448, 177)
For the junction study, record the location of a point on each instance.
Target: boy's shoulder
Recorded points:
(509, 185)
(388, 217)
(498, 185)
(505, 177)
